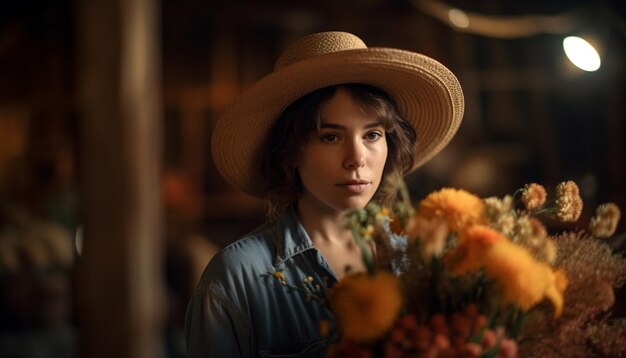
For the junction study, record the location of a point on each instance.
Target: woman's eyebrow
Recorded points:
(339, 126)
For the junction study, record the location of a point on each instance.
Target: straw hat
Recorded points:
(428, 95)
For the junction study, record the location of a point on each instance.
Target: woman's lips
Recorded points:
(356, 186)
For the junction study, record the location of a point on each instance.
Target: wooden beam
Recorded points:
(120, 291)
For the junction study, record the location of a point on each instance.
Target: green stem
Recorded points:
(366, 253)
(546, 210)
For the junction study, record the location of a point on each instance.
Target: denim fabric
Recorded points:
(240, 310)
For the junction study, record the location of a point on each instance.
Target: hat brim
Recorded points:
(428, 95)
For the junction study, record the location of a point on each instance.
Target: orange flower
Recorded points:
(560, 280)
(366, 306)
(457, 206)
(524, 280)
(481, 234)
(548, 251)
(474, 242)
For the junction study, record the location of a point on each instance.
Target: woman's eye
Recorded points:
(375, 135)
(327, 138)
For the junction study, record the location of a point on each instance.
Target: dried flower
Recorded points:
(592, 273)
(530, 233)
(569, 202)
(598, 338)
(501, 214)
(366, 306)
(604, 223)
(498, 207)
(457, 206)
(533, 196)
(524, 232)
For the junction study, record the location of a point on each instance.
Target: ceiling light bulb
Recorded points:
(581, 53)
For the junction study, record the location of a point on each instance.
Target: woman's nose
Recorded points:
(355, 156)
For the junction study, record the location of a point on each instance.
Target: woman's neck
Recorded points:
(322, 223)
(326, 228)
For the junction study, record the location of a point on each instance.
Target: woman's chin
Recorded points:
(355, 203)
(337, 203)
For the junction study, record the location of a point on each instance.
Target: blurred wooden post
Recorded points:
(120, 293)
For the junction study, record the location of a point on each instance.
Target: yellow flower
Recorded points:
(366, 306)
(367, 231)
(534, 196)
(280, 277)
(524, 280)
(383, 213)
(457, 206)
(604, 223)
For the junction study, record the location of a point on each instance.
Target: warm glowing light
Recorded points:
(458, 18)
(581, 53)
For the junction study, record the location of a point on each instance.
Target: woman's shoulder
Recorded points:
(245, 258)
(252, 247)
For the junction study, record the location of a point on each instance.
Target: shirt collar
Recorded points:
(291, 239)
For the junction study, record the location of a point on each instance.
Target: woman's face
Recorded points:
(342, 165)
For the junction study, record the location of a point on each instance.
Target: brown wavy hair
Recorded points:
(292, 131)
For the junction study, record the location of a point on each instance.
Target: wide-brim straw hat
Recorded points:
(428, 95)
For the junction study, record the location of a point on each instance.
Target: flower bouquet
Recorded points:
(480, 278)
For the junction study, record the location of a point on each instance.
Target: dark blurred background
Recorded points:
(531, 116)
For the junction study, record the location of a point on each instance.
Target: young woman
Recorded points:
(317, 137)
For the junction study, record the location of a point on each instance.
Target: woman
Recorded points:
(317, 137)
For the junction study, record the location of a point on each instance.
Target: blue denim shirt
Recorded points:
(239, 310)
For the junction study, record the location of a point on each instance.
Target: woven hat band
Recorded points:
(317, 45)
